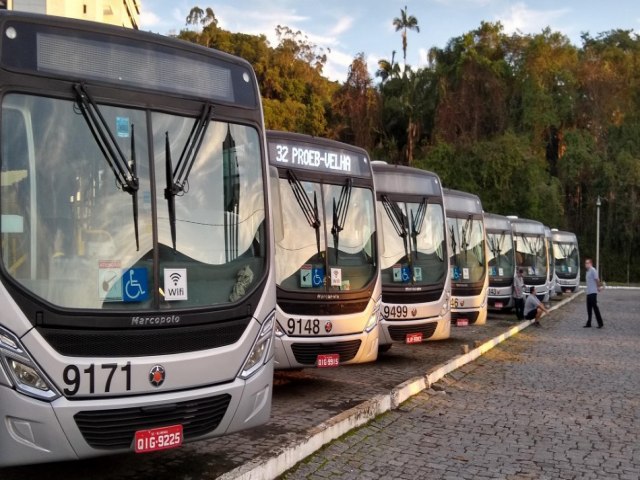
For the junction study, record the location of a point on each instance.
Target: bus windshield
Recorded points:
(530, 254)
(566, 257)
(413, 243)
(467, 246)
(76, 236)
(500, 254)
(328, 237)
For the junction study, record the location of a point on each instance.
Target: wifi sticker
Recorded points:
(175, 284)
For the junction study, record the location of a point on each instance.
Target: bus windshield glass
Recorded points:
(530, 254)
(500, 254)
(468, 249)
(78, 226)
(413, 243)
(327, 241)
(566, 257)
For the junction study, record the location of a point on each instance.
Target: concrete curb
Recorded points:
(279, 461)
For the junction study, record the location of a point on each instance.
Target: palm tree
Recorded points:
(387, 69)
(405, 22)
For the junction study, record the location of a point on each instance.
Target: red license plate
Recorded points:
(155, 439)
(462, 322)
(414, 338)
(499, 305)
(328, 361)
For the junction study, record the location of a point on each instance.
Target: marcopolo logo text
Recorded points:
(154, 321)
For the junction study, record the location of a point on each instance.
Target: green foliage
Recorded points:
(536, 126)
(296, 96)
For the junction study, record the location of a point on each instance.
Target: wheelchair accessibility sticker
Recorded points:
(121, 285)
(135, 286)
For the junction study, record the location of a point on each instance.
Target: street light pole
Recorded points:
(598, 203)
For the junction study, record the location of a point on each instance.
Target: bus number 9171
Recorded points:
(72, 377)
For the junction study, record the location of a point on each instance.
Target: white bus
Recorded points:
(501, 262)
(567, 261)
(327, 273)
(531, 254)
(469, 272)
(414, 258)
(136, 289)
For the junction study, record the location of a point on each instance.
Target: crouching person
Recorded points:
(533, 308)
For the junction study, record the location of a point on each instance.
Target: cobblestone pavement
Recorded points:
(301, 400)
(559, 402)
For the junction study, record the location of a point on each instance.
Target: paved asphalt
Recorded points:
(558, 402)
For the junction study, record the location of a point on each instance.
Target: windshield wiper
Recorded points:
(309, 210)
(496, 246)
(124, 170)
(340, 209)
(452, 234)
(466, 235)
(417, 223)
(178, 178)
(398, 221)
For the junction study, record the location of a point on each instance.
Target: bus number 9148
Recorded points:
(303, 327)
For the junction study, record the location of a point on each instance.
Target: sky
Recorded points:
(347, 28)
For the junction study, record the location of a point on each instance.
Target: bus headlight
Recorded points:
(372, 322)
(261, 351)
(279, 330)
(23, 371)
(446, 304)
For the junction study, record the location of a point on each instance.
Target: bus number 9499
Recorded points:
(395, 311)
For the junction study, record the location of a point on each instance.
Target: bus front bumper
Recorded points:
(432, 328)
(302, 352)
(500, 302)
(34, 431)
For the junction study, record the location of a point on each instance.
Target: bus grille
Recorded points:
(412, 297)
(142, 342)
(400, 333)
(115, 429)
(306, 353)
(470, 316)
(322, 308)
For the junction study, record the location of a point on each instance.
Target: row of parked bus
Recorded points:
(442, 260)
(161, 253)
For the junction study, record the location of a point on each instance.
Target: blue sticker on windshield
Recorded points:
(122, 127)
(455, 273)
(135, 285)
(317, 278)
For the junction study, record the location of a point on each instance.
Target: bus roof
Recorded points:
(59, 47)
(316, 154)
(564, 237)
(495, 222)
(525, 225)
(462, 202)
(400, 179)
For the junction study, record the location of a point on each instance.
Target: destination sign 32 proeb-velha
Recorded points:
(318, 158)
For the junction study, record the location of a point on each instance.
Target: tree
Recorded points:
(356, 107)
(387, 69)
(196, 14)
(405, 22)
